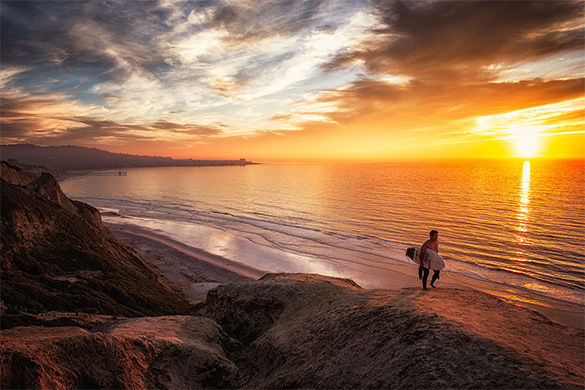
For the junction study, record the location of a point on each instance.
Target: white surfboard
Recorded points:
(431, 259)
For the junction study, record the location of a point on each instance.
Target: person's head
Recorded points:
(434, 234)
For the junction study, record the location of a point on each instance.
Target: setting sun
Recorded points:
(527, 145)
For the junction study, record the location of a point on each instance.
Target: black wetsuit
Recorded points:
(423, 273)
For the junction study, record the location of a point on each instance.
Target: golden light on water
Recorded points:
(525, 190)
(523, 207)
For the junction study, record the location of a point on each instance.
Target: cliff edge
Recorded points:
(307, 331)
(57, 255)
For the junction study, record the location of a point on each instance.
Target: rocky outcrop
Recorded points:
(175, 352)
(15, 175)
(46, 187)
(307, 331)
(57, 255)
(311, 331)
(43, 185)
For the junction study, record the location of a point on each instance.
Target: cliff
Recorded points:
(173, 352)
(307, 331)
(57, 255)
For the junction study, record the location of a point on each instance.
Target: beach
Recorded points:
(518, 240)
(195, 271)
(190, 270)
(526, 334)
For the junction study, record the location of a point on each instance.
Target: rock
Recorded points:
(56, 319)
(89, 214)
(306, 331)
(173, 352)
(58, 256)
(14, 175)
(46, 187)
(311, 331)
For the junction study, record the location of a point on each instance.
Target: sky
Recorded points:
(286, 80)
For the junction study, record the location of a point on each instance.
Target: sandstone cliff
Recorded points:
(57, 255)
(307, 331)
(173, 352)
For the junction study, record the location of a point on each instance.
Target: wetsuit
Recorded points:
(423, 273)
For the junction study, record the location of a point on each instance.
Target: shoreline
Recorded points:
(195, 271)
(191, 270)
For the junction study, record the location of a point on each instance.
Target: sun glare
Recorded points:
(527, 145)
(528, 132)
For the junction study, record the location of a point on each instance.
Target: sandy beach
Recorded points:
(188, 269)
(195, 271)
(527, 334)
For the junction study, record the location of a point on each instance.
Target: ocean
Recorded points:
(515, 225)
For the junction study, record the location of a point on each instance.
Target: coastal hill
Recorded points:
(67, 158)
(57, 255)
(307, 331)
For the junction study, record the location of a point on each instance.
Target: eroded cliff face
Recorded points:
(306, 331)
(57, 255)
(302, 331)
(172, 352)
(15, 175)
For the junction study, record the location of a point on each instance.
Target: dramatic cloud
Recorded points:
(215, 77)
(467, 39)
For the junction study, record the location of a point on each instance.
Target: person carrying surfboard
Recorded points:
(432, 244)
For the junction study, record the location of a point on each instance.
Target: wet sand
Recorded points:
(188, 269)
(195, 271)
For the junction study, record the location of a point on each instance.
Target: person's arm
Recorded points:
(422, 251)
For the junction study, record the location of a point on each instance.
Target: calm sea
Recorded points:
(518, 224)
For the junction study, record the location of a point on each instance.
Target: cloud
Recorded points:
(43, 120)
(461, 39)
(203, 71)
(179, 61)
(370, 97)
(431, 66)
(111, 37)
(246, 21)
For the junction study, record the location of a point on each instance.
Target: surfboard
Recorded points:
(431, 259)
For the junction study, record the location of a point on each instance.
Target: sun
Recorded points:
(527, 145)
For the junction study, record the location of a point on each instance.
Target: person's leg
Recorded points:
(435, 277)
(425, 277)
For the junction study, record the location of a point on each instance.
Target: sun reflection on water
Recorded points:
(523, 210)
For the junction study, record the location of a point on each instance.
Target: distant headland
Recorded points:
(68, 158)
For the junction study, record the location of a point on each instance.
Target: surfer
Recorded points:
(432, 244)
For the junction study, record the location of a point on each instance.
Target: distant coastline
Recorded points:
(67, 161)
